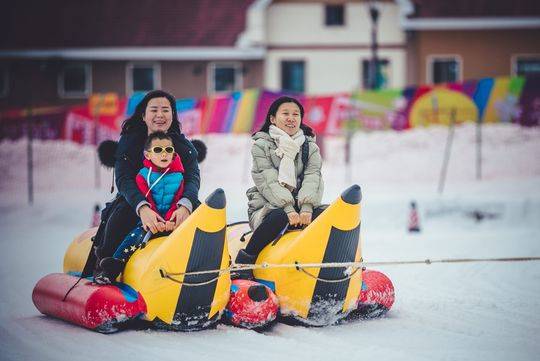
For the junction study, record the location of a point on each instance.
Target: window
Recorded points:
(526, 65)
(225, 77)
(444, 69)
(75, 80)
(143, 77)
(4, 81)
(292, 76)
(383, 75)
(334, 15)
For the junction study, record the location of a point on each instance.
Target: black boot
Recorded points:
(110, 268)
(244, 258)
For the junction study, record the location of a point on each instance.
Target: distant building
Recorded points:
(452, 41)
(60, 52)
(322, 47)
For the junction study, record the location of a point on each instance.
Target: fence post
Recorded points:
(97, 165)
(478, 148)
(449, 141)
(348, 156)
(30, 156)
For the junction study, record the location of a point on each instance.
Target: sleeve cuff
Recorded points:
(289, 208)
(186, 203)
(141, 203)
(306, 207)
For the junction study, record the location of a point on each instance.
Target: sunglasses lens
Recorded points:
(169, 150)
(157, 149)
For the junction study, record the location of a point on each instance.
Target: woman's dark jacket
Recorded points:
(129, 160)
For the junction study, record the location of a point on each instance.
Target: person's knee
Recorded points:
(278, 215)
(319, 210)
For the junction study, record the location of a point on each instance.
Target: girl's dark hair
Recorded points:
(136, 124)
(273, 110)
(155, 135)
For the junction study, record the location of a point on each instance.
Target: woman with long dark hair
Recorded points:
(287, 174)
(155, 112)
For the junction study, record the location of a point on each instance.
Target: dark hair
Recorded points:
(155, 135)
(135, 122)
(273, 110)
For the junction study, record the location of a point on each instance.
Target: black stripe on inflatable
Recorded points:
(195, 302)
(328, 298)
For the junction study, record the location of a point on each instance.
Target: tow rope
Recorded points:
(350, 267)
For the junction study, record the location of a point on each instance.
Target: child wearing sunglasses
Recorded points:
(161, 182)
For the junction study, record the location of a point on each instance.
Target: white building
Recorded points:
(321, 47)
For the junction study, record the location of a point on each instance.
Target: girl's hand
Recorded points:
(179, 216)
(294, 218)
(305, 218)
(151, 220)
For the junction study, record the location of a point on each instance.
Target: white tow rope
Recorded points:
(351, 267)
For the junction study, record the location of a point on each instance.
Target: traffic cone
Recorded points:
(414, 222)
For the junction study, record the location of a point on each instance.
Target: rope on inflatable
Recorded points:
(352, 267)
(348, 272)
(164, 274)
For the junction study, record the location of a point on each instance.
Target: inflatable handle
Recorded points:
(164, 274)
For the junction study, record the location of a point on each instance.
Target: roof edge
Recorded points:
(140, 53)
(479, 23)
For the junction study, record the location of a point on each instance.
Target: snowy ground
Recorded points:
(465, 311)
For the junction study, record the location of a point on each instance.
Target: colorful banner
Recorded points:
(44, 123)
(529, 103)
(80, 125)
(490, 100)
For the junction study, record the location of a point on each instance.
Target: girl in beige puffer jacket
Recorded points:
(287, 192)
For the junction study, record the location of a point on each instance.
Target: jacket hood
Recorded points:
(175, 166)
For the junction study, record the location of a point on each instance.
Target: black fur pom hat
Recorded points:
(106, 151)
(201, 149)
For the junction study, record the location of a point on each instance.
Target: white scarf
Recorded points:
(287, 149)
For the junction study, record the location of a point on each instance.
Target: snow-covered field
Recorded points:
(460, 311)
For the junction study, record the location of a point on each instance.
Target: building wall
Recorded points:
(332, 54)
(109, 76)
(184, 79)
(303, 23)
(484, 53)
(35, 82)
(31, 83)
(335, 71)
(253, 74)
(191, 78)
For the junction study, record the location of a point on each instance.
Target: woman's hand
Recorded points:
(305, 218)
(294, 218)
(169, 226)
(179, 216)
(151, 220)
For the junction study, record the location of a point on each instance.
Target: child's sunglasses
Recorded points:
(159, 150)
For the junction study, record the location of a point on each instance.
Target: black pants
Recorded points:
(122, 220)
(273, 225)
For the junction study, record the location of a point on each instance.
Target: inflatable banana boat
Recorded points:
(183, 281)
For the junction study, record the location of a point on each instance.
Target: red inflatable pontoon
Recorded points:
(100, 308)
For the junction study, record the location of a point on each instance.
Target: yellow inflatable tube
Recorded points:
(156, 271)
(316, 296)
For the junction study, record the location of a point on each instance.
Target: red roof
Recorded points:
(118, 23)
(475, 8)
